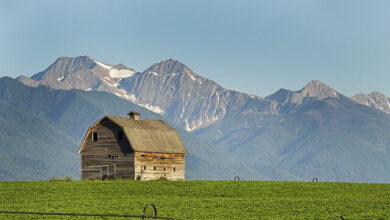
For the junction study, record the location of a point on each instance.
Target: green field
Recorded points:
(199, 199)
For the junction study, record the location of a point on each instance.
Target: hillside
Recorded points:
(32, 148)
(318, 132)
(199, 199)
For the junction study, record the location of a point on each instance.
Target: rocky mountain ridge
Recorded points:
(173, 90)
(169, 88)
(188, 99)
(375, 100)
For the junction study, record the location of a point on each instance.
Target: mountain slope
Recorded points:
(323, 134)
(344, 142)
(31, 148)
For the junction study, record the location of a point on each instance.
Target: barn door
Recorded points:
(104, 172)
(111, 172)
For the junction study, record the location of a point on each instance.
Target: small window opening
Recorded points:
(174, 169)
(144, 167)
(165, 169)
(94, 136)
(154, 168)
(143, 155)
(111, 156)
(160, 158)
(120, 135)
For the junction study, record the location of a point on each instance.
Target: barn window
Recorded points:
(120, 135)
(94, 136)
(111, 156)
(160, 158)
(154, 168)
(174, 169)
(144, 167)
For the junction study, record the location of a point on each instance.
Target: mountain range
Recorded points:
(169, 88)
(289, 135)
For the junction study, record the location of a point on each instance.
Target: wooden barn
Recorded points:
(130, 147)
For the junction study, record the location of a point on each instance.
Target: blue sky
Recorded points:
(252, 46)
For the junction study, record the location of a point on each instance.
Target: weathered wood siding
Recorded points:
(107, 151)
(174, 165)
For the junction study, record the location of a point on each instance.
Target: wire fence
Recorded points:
(142, 216)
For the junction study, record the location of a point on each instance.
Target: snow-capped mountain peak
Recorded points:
(186, 98)
(82, 72)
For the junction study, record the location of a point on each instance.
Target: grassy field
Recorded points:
(199, 199)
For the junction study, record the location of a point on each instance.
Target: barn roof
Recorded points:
(146, 135)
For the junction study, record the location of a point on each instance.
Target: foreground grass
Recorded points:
(199, 199)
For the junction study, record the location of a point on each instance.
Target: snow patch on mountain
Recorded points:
(103, 65)
(192, 77)
(152, 108)
(187, 126)
(131, 97)
(115, 73)
(111, 84)
(60, 78)
(200, 123)
(154, 73)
